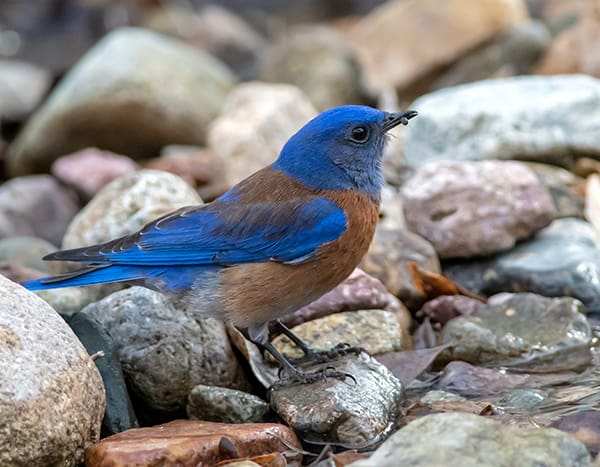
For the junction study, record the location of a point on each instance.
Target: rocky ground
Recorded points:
(478, 302)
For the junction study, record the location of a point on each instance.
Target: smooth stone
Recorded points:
(467, 440)
(444, 308)
(22, 87)
(36, 206)
(436, 395)
(27, 251)
(51, 394)
(475, 208)
(535, 266)
(217, 404)
(119, 414)
(565, 187)
(350, 413)
(534, 118)
(320, 62)
(583, 425)
(388, 257)
(523, 400)
(256, 121)
(164, 350)
(68, 301)
(503, 334)
(134, 92)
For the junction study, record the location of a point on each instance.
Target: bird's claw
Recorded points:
(300, 377)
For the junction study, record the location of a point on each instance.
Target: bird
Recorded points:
(273, 243)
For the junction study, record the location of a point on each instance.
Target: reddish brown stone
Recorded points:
(191, 443)
(274, 459)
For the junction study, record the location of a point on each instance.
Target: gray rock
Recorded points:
(27, 251)
(475, 208)
(436, 395)
(342, 412)
(523, 400)
(22, 87)
(68, 301)
(529, 117)
(561, 260)
(503, 333)
(164, 351)
(51, 394)
(466, 440)
(320, 62)
(257, 120)
(133, 93)
(387, 260)
(565, 187)
(225, 405)
(36, 206)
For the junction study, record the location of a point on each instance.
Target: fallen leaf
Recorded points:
(408, 365)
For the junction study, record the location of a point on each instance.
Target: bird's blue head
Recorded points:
(341, 149)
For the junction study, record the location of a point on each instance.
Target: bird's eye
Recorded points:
(359, 134)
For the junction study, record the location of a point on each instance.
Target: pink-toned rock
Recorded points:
(475, 208)
(90, 169)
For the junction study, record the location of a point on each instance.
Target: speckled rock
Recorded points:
(133, 93)
(27, 251)
(165, 352)
(257, 120)
(51, 394)
(36, 206)
(475, 208)
(71, 300)
(217, 404)
(467, 440)
(352, 414)
(502, 332)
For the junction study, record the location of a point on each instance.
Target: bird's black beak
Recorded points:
(394, 119)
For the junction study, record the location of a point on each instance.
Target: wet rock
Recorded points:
(51, 395)
(475, 208)
(534, 118)
(534, 266)
(387, 259)
(377, 331)
(22, 87)
(36, 206)
(446, 307)
(190, 443)
(523, 400)
(164, 351)
(318, 61)
(400, 42)
(27, 251)
(90, 169)
(133, 93)
(459, 440)
(216, 404)
(345, 412)
(435, 396)
(118, 414)
(257, 120)
(565, 188)
(583, 426)
(502, 333)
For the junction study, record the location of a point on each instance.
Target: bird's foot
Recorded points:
(291, 378)
(324, 356)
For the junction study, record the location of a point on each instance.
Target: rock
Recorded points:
(216, 404)
(534, 118)
(90, 169)
(71, 300)
(467, 440)
(401, 42)
(475, 208)
(391, 212)
(164, 351)
(523, 400)
(387, 260)
(51, 395)
(190, 443)
(133, 93)
(36, 206)
(447, 307)
(318, 61)
(257, 120)
(582, 425)
(534, 266)
(436, 396)
(502, 333)
(22, 87)
(565, 188)
(592, 201)
(347, 413)
(119, 414)
(27, 251)
(377, 331)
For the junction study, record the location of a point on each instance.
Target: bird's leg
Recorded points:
(317, 356)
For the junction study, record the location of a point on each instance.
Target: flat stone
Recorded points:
(475, 208)
(217, 404)
(535, 118)
(466, 440)
(132, 93)
(51, 394)
(534, 266)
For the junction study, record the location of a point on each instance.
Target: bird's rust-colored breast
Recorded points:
(260, 292)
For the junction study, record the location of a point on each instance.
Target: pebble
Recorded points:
(217, 404)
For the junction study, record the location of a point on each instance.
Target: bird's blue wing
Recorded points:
(224, 234)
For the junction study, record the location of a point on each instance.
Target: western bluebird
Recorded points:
(273, 243)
